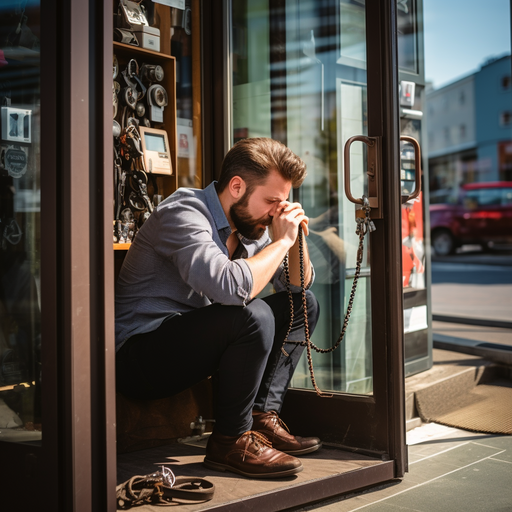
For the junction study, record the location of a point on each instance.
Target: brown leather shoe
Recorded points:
(273, 427)
(250, 455)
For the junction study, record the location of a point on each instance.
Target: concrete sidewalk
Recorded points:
(450, 470)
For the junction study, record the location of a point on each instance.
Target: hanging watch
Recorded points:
(140, 109)
(115, 66)
(115, 91)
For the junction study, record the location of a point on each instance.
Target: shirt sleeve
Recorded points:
(187, 240)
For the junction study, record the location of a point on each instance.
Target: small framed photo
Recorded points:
(16, 125)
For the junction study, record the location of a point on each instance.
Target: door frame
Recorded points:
(343, 419)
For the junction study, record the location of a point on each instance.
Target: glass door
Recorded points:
(20, 230)
(27, 435)
(314, 75)
(57, 413)
(327, 104)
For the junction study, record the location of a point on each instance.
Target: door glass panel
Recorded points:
(413, 249)
(20, 334)
(185, 47)
(299, 76)
(407, 35)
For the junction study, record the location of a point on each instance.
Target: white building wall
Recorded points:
(450, 118)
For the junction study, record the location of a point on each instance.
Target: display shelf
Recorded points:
(121, 247)
(17, 387)
(161, 184)
(20, 53)
(137, 50)
(169, 124)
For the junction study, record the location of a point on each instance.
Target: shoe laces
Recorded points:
(279, 422)
(253, 437)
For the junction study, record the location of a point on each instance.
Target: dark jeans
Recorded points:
(241, 345)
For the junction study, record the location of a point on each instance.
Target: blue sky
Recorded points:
(461, 34)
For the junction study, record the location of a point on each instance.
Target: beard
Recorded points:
(246, 225)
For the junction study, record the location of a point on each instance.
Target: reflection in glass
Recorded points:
(413, 247)
(184, 47)
(20, 331)
(299, 75)
(352, 34)
(407, 35)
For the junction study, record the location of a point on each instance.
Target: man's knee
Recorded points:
(261, 314)
(259, 322)
(313, 307)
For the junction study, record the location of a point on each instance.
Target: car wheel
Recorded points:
(443, 243)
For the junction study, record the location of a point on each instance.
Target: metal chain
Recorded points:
(363, 226)
(286, 269)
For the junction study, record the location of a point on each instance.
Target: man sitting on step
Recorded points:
(186, 305)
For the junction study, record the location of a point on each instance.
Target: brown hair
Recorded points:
(254, 158)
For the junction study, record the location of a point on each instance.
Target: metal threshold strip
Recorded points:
(327, 473)
(312, 491)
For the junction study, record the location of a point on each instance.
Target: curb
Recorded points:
(482, 322)
(491, 351)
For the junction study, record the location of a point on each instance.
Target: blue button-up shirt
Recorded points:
(179, 262)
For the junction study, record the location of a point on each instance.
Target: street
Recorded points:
(473, 285)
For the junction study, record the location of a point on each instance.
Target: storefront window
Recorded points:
(299, 76)
(20, 332)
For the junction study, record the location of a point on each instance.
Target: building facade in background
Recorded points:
(469, 130)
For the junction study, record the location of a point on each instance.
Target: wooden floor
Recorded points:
(327, 472)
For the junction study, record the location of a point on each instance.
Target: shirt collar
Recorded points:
(219, 217)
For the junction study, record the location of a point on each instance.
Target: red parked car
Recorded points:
(482, 214)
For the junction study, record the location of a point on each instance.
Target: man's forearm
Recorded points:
(264, 265)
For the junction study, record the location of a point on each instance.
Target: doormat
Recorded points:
(484, 408)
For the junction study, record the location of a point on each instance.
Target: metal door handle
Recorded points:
(373, 172)
(417, 168)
